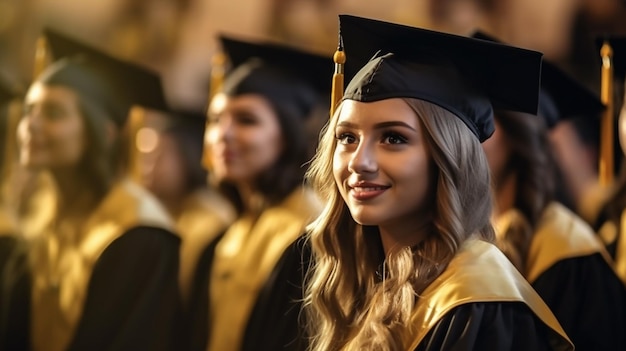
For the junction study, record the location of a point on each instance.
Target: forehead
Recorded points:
(245, 102)
(39, 92)
(377, 111)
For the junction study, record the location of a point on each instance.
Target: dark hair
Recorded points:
(189, 141)
(533, 162)
(287, 173)
(101, 162)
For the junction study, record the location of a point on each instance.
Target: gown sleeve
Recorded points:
(276, 322)
(196, 313)
(589, 301)
(133, 301)
(501, 326)
(15, 286)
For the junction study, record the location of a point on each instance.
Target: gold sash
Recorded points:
(480, 273)
(560, 234)
(204, 215)
(62, 268)
(244, 259)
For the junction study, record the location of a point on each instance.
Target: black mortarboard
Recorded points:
(463, 75)
(561, 96)
(114, 83)
(291, 79)
(618, 44)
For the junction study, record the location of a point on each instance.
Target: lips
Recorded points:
(363, 191)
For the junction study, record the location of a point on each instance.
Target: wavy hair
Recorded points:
(534, 164)
(346, 306)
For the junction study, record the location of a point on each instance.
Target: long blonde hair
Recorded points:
(346, 307)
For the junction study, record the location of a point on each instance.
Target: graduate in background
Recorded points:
(172, 170)
(402, 253)
(611, 222)
(555, 250)
(14, 274)
(105, 264)
(257, 148)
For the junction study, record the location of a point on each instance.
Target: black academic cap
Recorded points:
(561, 96)
(114, 83)
(618, 44)
(291, 79)
(463, 75)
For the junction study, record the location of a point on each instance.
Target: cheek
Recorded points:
(622, 130)
(339, 170)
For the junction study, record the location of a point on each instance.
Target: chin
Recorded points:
(365, 219)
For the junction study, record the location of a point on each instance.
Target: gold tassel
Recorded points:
(337, 86)
(605, 170)
(136, 120)
(218, 71)
(42, 57)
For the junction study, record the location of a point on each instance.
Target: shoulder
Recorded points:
(479, 273)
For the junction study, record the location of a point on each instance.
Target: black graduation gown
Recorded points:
(15, 285)
(276, 322)
(589, 301)
(196, 319)
(133, 301)
(502, 326)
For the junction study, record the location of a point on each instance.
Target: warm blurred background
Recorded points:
(175, 37)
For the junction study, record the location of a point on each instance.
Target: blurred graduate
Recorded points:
(105, 263)
(257, 146)
(555, 250)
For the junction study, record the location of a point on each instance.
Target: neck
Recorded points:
(76, 196)
(252, 200)
(396, 236)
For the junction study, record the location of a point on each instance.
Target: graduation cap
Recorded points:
(561, 96)
(292, 80)
(463, 75)
(113, 83)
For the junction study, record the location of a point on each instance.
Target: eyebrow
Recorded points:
(380, 125)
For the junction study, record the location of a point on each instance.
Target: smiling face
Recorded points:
(243, 137)
(51, 134)
(381, 164)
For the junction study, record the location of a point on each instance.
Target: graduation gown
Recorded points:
(14, 288)
(112, 286)
(276, 321)
(611, 235)
(241, 262)
(203, 217)
(571, 271)
(480, 302)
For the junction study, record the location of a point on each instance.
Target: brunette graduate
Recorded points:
(257, 144)
(105, 262)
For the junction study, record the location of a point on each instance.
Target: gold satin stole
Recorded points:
(204, 215)
(560, 235)
(63, 262)
(245, 257)
(480, 273)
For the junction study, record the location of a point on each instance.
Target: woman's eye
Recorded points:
(346, 138)
(394, 138)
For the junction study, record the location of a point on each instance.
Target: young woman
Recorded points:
(402, 252)
(555, 250)
(105, 264)
(257, 145)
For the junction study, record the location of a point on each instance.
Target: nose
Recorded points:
(363, 160)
